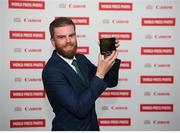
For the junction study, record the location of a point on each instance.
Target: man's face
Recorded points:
(65, 41)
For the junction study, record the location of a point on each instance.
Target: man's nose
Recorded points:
(68, 39)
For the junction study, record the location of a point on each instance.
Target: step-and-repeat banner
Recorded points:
(147, 96)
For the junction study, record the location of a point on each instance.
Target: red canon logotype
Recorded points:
(26, 123)
(114, 121)
(156, 107)
(83, 49)
(27, 4)
(158, 21)
(157, 50)
(116, 93)
(27, 94)
(117, 35)
(115, 6)
(153, 79)
(36, 35)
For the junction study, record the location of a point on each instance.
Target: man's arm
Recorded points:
(111, 78)
(60, 93)
(111, 75)
(108, 69)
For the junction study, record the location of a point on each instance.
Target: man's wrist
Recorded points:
(101, 76)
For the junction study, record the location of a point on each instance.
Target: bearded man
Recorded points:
(72, 83)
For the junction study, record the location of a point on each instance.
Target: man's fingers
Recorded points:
(111, 56)
(117, 45)
(117, 41)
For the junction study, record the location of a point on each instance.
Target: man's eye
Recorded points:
(72, 35)
(61, 37)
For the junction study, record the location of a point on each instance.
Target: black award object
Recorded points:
(107, 45)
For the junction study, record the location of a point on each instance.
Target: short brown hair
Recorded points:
(59, 22)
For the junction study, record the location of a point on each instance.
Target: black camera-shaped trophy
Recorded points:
(107, 45)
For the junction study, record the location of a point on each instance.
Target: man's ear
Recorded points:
(52, 42)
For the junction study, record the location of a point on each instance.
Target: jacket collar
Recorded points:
(68, 71)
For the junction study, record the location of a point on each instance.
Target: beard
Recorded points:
(67, 54)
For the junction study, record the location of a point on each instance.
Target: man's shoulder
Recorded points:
(81, 56)
(53, 63)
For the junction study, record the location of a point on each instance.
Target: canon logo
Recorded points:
(115, 21)
(162, 65)
(19, 79)
(161, 122)
(159, 7)
(158, 36)
(33, 108)
(148, 93)
(119, 107)
(32, 20)
(28, 50)
(77, 5)
(32, 50)
(27, 109)
(161, 93)
(162, 36)
(156, 65)
(164, 7)
(32, 79)
(156, 122)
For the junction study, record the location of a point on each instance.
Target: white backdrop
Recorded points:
(147, 96)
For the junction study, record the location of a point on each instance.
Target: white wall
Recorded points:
(117, 113)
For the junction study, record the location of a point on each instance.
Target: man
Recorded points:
(72, 88)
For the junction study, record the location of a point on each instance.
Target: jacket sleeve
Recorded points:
(111, 78)
(60, 92)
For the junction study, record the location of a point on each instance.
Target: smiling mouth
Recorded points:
(69, 46)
